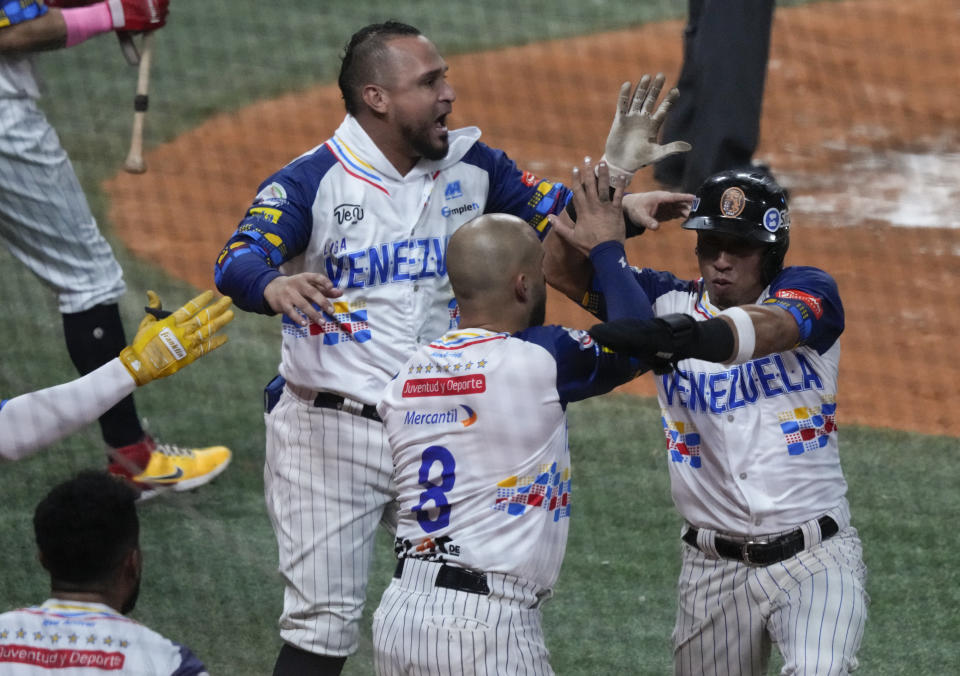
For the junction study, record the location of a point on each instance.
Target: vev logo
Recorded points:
(462, 209)
(348, 213)
(452, 191)
(462, 414)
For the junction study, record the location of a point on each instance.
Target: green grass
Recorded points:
(210, 555)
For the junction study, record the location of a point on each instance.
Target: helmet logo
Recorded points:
(732, 202)
(772, 219)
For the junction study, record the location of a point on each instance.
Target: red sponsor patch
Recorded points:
(529, 179)
(442, 387)
(61, 659)
(815, 304)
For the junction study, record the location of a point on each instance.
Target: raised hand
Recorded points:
(632, 141)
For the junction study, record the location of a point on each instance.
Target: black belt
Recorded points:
(336, 402)
(764, 553)
(451, 577)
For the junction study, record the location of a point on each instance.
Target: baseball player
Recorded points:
(87, 534)
(477, 423)
(749, 400)
(161, 348)
(348, 243)
(46, 223)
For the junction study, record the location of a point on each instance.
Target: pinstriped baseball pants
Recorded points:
(421, 629)
(44, 216)
(327, 481)
(813, 606)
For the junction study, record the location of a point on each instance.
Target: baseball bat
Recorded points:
(134, 163)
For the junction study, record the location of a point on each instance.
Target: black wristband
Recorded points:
(711, 340)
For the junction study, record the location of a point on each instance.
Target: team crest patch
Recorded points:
(271, 194)
(732, 202)
(348, 324)
(683, 444)
(550, 489)
(808, 428)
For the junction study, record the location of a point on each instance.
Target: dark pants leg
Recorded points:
(726, 48)
(94, 337)
(298, 662)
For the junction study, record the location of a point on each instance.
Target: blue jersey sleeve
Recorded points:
(623, 296)
(517, 192)
(275, 228)
(20, 10)
(190, 664)
(811, 296)
(584, 369)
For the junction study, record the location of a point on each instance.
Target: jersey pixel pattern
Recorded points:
(808, 429)
(550, 490)
(349, 323)
(683, 444)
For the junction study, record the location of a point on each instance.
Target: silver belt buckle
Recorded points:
(745, 552)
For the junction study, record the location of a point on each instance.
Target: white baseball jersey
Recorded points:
(86, 639)
(477, 424)
(753, 454)
(753, 447)
(343, 210)
(44, 216)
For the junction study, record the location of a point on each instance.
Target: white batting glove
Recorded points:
(632, 142)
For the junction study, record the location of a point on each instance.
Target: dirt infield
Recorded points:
(860, 103)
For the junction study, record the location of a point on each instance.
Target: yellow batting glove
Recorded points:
(164, 346)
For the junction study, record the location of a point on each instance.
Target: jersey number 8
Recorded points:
(435, 493)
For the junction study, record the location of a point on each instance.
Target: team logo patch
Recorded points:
(772, 219)
(348, 213)
(271, 194)
(529, 179)
(732, 202)
(695, 205)
(452, 191)
(683, 445)
(815, 304)
(808, 429)
(582, 337)
(550, 490)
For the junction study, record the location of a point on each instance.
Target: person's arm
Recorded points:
(161, 347)
(803, 309)
(37, 30)
(66, 23)
(275, 228)
(598, 234)
(35, 420)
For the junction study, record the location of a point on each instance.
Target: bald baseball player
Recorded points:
(88, 540)
(477, 426)
(46, 223)
(749, 402)
(347, 243)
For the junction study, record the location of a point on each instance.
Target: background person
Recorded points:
(47, 224)
(87, 534)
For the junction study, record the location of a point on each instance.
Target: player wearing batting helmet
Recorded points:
(748, 360)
